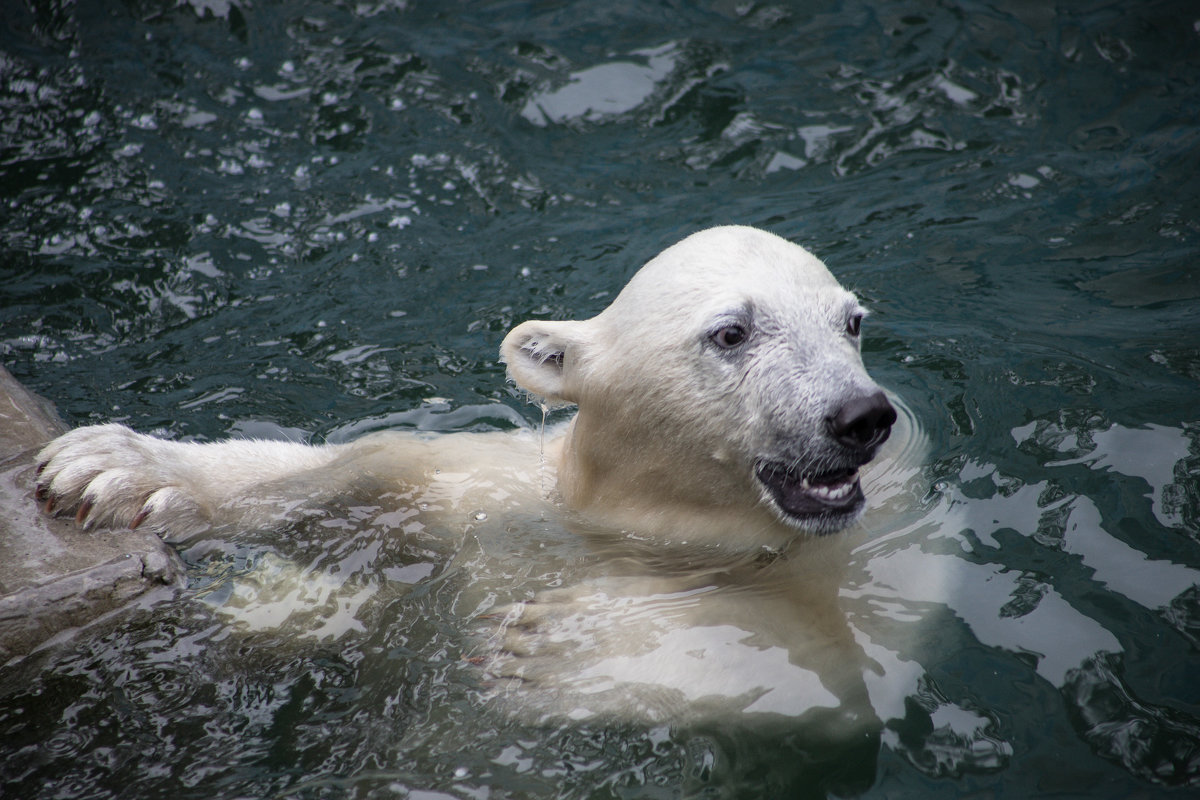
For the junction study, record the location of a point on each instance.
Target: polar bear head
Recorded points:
(722, 387)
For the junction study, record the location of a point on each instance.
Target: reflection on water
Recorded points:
(251, 219)
(606, 90)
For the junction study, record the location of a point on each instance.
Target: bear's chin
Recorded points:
(818, 503)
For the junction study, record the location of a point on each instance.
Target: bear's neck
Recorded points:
(634, 481)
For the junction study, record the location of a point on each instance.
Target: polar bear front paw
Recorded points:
(536, 638)
(109, 476)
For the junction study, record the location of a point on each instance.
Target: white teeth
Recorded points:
(831, 493)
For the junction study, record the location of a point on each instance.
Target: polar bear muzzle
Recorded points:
(827, 499)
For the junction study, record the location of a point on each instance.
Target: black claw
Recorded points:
(139, 518)
(42, 492)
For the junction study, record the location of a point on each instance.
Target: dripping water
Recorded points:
(542, 450)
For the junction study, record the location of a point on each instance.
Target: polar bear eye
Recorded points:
(854, 324)
(730, 336)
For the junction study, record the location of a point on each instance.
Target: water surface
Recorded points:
(313, 220)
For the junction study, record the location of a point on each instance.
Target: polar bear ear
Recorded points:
(539, 355)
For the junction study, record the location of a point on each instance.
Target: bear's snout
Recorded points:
(863, 422)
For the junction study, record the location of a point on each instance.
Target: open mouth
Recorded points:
(803, 495)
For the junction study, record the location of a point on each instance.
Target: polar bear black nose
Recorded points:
(863, 421)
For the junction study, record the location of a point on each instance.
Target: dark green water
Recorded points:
(301, 218)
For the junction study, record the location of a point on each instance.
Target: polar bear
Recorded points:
(723, 416)
(722, 391)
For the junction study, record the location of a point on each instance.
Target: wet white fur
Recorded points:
(664, 442)
(663, 448)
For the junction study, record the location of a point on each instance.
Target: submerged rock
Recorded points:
(54, 576)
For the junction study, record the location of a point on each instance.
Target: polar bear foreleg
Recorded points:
(110, 476)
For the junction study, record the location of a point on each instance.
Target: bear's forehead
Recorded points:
(777, 288)
(780, 307)
(730, 271)
(733, 258)
(688, 311)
